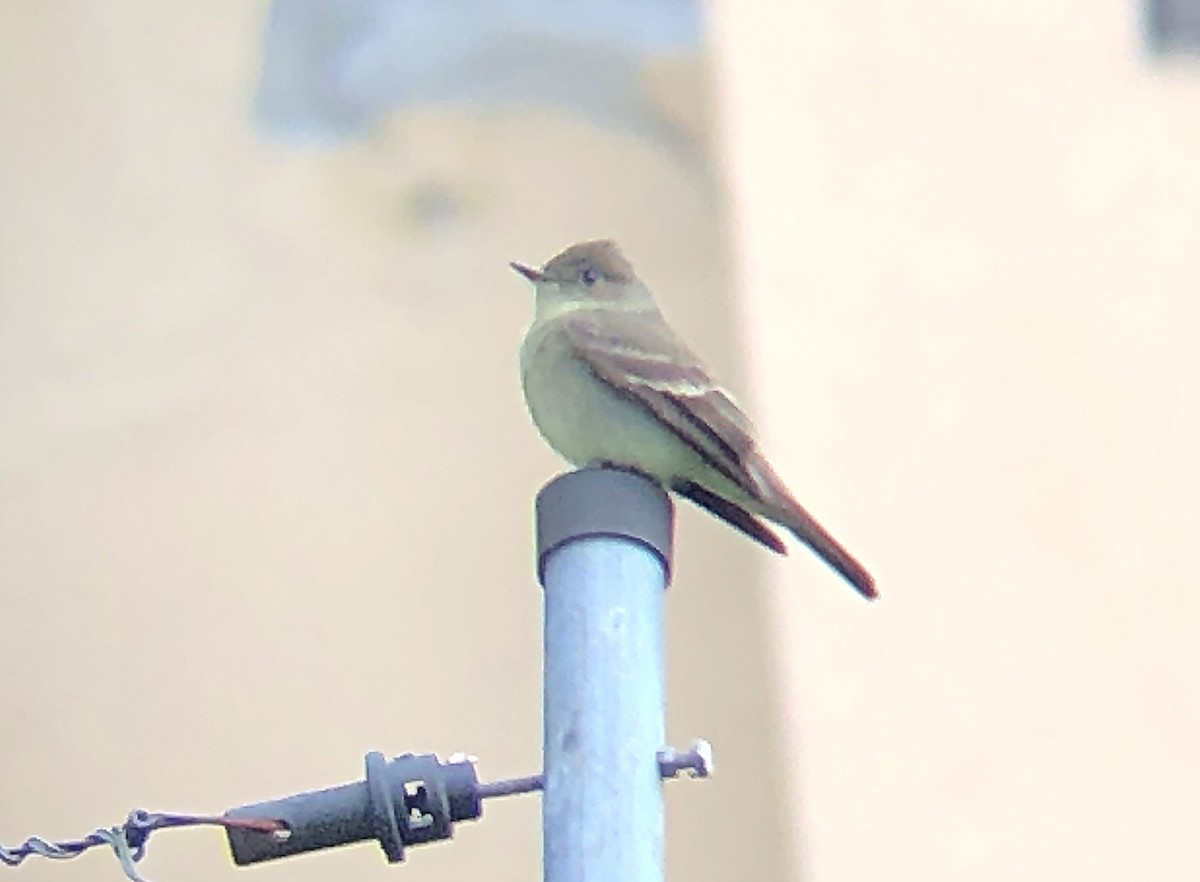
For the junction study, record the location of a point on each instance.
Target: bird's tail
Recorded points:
(805, 527)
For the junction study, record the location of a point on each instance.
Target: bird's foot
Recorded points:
(621, 467)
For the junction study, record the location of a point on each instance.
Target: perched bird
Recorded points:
(609, 383)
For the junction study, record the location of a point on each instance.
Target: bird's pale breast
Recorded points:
(584, 419)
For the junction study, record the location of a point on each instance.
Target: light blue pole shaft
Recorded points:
(602, 809)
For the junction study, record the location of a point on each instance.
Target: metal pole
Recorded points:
(604, 553)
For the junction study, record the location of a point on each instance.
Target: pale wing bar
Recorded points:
(674, 388)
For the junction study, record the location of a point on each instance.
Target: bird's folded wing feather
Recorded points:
(640, 358)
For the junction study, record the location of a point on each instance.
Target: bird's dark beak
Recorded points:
(528, 272)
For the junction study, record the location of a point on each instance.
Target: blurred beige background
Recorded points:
(243, 539)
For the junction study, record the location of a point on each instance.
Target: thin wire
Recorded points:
(128, 841)
(511, 786)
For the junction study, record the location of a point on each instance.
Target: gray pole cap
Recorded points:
(597, 501)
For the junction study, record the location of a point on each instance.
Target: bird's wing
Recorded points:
(641, 359)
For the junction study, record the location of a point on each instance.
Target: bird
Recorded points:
(608, 383)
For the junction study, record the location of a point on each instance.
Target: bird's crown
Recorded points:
(599, 257)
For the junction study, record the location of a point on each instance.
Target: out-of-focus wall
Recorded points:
(245, 537)
(968, 242)
(266, 478)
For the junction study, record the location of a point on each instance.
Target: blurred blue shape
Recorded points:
(1172, 27)
(332, 67)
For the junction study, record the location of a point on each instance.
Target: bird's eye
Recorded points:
(588, 276)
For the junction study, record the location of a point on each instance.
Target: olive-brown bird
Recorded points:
(608, 382)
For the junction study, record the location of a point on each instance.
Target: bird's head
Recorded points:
(587, 273)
